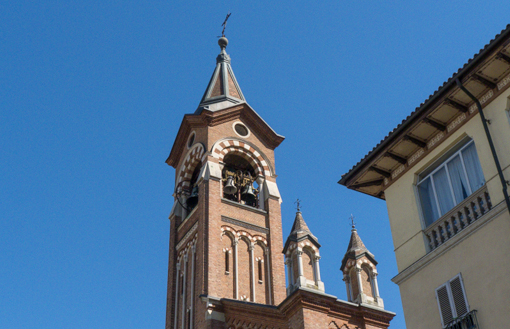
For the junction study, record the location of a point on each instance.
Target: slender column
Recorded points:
(376, 286)
(262, 197)
(192, 297)
(317, 270)
(183, 319)
(358, 275)
(268, 280)
(288, 262)
(347, 288)
(300, 262)
(236, 274)
(252, 265)
(177, 294)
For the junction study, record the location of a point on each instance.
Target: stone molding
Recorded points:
(244, 224)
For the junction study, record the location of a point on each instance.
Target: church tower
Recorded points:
(360, 273)
(225, 231)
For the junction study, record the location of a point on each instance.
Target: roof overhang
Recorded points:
(486, 76)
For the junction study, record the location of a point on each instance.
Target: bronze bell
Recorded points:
(248, 195)
(192, 200)
(229, 187)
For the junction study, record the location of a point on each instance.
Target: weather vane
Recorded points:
(225, 25)
(298, 203)
(353, 224)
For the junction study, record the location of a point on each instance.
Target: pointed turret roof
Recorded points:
(300, 231)
(356, 249)
(223, 90)
(356, 246)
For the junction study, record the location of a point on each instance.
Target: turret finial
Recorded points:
(223, 42)
(225, 25)
(298, 205)
(353, 224)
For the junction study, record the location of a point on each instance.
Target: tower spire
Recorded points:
(223, 89)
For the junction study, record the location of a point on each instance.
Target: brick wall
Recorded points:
(308, 265)
(260, 274)
(366, 282)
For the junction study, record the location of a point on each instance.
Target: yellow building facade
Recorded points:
(445, 196)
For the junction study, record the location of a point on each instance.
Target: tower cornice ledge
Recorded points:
(208, 118)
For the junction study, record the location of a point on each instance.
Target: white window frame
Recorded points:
(438, 166)
(451, 300)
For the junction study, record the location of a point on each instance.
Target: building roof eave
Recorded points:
(447, 87)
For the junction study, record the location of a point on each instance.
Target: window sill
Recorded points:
(181, 225)
(243, 206)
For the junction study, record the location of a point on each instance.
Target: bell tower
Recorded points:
(225, 223)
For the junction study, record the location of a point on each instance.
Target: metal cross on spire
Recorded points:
(298, 203)
(353, 224)
(225, 24)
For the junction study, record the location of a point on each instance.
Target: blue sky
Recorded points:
(92, 95)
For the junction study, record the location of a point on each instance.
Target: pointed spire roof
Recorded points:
(300, 231)
(356, 246)
(223, 90)
(356, 249)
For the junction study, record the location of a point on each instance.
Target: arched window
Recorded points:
(239, 180)
(366, 281)
(192, 199)
(227, 261)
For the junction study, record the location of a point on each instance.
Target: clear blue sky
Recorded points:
(92, 94)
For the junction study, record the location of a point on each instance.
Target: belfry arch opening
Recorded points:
(192, 200)
(240, 180)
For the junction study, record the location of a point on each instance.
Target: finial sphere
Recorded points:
(223, 42)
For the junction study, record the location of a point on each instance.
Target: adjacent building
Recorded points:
(227, 258)
(444, 173)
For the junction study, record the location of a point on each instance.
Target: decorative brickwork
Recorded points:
(193, 157)
(244, 150)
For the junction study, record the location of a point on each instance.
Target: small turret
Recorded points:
(302, 257)
(360, 273)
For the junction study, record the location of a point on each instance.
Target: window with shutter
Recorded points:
(459, 299)
(451, 300)
(445, 308)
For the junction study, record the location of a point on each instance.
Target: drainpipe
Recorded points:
(489, 138)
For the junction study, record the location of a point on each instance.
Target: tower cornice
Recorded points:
(208, 118)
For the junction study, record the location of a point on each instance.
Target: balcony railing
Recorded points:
(468, 321)
(463, 215)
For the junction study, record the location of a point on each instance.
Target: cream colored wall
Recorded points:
(401, 200)
(482, 260)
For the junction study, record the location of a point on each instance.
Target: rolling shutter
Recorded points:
(445, 307)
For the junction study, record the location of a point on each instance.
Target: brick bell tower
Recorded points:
(226, 229)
